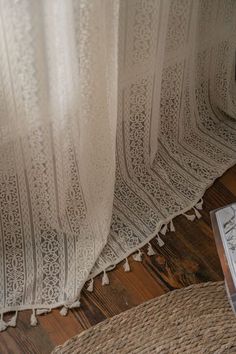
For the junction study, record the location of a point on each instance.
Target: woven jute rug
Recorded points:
(197, 319)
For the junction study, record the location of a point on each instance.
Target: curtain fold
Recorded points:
(115, 116)
(58, 124)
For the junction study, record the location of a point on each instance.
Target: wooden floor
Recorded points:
(189, 256)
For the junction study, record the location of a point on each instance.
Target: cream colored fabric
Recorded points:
(58, 72)
(115, 117)
(176, 128)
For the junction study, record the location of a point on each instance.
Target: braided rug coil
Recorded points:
(197, 319)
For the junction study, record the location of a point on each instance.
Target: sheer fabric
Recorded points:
(115, 118)
(58, 119)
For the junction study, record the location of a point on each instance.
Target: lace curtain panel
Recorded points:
(115, 116)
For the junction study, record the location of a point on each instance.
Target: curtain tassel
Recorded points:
(172, 227)
(160, 241)
(3, 324)
(198, 215)
(150, 251)
(12, 322)
(33, 319)
(126, 265)
(199, 204)
(90, 286)
(137, 256)
(190, 217)
(64, 311)
(164, 229)
(105, 279)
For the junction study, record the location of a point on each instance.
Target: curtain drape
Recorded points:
(115, 116)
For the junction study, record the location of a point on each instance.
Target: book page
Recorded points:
(226, 219)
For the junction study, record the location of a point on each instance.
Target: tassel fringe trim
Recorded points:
(105, 279)
(126, 265)
(138, 256)
(64, 311)
(3, 324)
(150, 251)
(190, 217)
(198, 215)
(164, 229)
(12, 322)
(90, 286)
(33, 319)
(161, 243)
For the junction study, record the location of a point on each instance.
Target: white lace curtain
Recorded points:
(115, 116)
